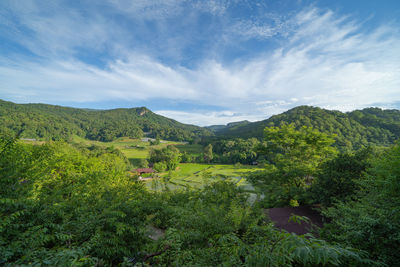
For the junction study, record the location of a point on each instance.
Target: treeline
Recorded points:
(230, 151)
(63, 205)
(353, 130)
(237, 150)
(40, 121)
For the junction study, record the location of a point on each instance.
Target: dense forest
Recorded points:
(353, 130)
(63, 205)
(49, 122)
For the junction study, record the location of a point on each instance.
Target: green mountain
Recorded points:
(370, 126)
(231, 125)
(42, 121)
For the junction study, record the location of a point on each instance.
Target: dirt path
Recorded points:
(280, 217)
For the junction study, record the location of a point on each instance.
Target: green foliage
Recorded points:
(50, 122)
(295, 157)
(217, 227)
(66, 206)
(353, 130)
(62, 205)
(168, 156)
(372, 221)
(235, 150)
(208, 153)
(230, 126)
(186, 157)
(160, 166)
(155, 142)
(143, 163)
(339, 178)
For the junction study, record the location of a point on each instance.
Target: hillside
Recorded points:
(370, 126)
(55, 122)
(231, 126)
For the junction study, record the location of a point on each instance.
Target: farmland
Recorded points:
(195, 175)
(187, 175)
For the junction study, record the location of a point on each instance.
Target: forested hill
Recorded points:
(231, 126)
(55, 122)
(370, 126)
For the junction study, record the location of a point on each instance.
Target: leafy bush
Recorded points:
(339, 178)
(372, 221)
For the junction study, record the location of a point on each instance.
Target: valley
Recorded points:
(186, 175)
(100, 186)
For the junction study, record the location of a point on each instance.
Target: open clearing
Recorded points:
(133, 149)
(195, 175)
(187, 175)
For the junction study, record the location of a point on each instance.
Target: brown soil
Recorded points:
(280, 218)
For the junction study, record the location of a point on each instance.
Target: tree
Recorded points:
(208, 153)
(169, 155)
(371, 221)
(155, 142)
(340, 177)
(294, 157)
(143, 163)
(235, 150)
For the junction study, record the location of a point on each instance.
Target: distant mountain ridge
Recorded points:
(353, 130)
(45, 121)
(217, 128)
(359, 128)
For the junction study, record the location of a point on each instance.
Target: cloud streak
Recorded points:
(323, 59)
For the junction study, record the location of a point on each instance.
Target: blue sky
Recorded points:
(202, 62)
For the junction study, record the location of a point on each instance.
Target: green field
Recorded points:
(133, 149)
(187, 175)
(195, 149)
(194, 175)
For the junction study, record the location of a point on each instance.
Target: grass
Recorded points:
(195, 175)
(190, 148)
(187, 175)
(133, 149)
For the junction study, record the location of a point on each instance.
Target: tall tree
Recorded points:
(208, 153)
(294, 157)
(169, 156)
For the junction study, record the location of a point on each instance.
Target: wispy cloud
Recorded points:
(323, 59)
(263, 27)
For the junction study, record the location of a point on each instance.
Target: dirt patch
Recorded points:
(280, 218)
(145, 178)
(155, 233)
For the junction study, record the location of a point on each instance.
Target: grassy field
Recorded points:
(195, 149)
(194, 175)
(133, 149)
(187, 175)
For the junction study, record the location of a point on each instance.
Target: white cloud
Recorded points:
(164, 9)
(325, 60)
(156, 9)
(265, 27)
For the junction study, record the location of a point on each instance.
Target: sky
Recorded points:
(201, 62)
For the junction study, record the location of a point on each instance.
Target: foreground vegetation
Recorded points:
(68, 206)
(80, 203)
